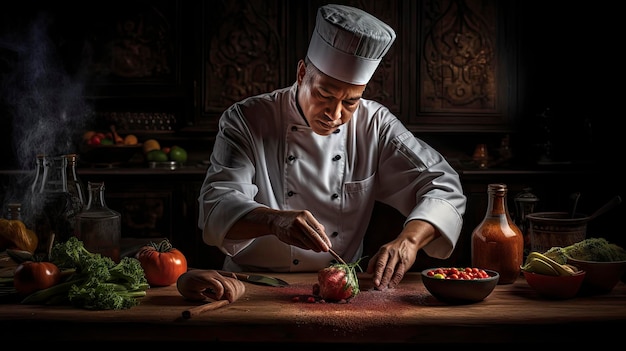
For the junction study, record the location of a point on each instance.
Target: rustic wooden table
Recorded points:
(408, 314)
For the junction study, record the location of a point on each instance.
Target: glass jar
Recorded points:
(52, 206)
(497, 242)
(38, 175)
(99, 227)
(32, 196)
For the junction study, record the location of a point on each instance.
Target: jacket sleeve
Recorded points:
(419, 182)
(227, 192)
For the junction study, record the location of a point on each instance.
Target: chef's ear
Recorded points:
(301, 72)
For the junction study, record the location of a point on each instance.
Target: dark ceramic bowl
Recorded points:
(458, 291)
(555, 287)
(601, 277)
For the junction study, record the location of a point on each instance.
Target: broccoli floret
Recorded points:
(73, 254)
(107, 288)
(618, 253)
(591, 249)
(129, 273)
(595, 249)
(104, 296)
(97, 283)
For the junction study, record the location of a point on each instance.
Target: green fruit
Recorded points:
(560, 269)
(156, 156)
(539, 266)
(106, 141)
(178, 154)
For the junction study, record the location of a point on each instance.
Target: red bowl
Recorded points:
(555, 287)
(601, 277)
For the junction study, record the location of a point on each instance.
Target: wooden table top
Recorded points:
(407, 314)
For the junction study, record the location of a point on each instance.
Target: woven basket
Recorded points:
(555, 229)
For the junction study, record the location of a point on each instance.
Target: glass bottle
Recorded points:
(38, 176)
(497, 242)
(30, 201)
(74, 184)
(99, 227)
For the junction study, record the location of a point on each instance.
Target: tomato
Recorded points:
(453, 273)
(337, 282)
(162, 263)
(95, 140)
(31, 276)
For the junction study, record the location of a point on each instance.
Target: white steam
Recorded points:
(46, 104)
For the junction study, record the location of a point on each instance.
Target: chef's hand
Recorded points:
(297, 228)
(301, 229)
(396, 257)
(200, 284)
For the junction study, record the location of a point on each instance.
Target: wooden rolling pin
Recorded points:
(210, 306)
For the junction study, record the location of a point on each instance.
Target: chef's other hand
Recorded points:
(396, 257)
(200, 284)
(391, 262)
(301, 229)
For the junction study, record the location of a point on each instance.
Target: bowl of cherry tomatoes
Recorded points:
(458, 285)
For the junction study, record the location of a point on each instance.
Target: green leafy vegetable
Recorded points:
(96, 282)
(591, 249)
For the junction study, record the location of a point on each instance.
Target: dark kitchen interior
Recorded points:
(520, 92)
(542, 95)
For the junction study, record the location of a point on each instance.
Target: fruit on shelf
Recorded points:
(150, 145)
(130, 139)
(156, 156)
(178, 154)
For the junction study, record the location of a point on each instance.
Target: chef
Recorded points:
(296, 172)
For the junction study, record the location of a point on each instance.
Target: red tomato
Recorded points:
(31, 276)
(95, 140)
(162, 263)
(453, 273)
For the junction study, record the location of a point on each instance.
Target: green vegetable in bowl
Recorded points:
(591, 249)
(97, 282)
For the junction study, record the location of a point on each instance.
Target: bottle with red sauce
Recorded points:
(497, 242)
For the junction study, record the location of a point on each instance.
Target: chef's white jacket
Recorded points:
(266, 155)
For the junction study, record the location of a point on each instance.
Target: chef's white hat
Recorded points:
(348, 43)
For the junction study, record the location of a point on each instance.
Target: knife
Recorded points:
(256, 278)
(337, 257)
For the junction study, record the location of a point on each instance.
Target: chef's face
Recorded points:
(327, 103)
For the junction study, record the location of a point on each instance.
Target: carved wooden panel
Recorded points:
(134, 42)
(385, 85)
(462, 76)
(452, 67)
(244, 54)
(458, 61)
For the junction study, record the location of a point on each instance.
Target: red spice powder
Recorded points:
(368, 307)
